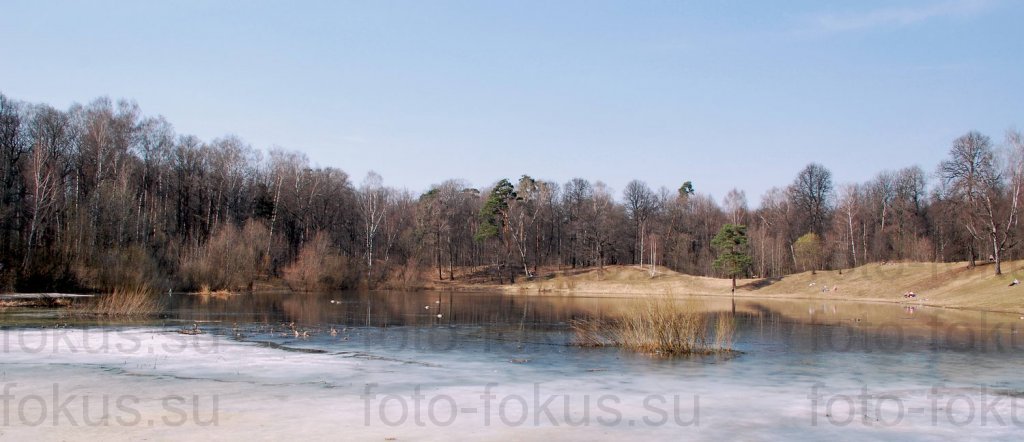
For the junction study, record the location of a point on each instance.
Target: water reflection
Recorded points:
(793, 325)
(449, 320)
(375, 309)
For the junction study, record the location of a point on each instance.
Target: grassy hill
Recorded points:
(942, 284)
(938, 284)
(624, 280)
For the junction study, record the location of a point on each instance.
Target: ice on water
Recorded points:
(474, 383)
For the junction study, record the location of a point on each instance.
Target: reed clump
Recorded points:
(135, 300)
(660, 326)
(206, 292)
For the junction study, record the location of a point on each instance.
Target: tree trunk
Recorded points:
(451, 260)
(273, 222)
(31, 236)
(640, 230)
(853, 240)
(996, 255)
(437, 254)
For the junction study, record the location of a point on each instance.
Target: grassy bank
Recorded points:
(951, 285)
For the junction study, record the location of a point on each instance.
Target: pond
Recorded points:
(485, 366)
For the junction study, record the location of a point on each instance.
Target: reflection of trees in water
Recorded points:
(802, 324)
(392, 308)
(868, 327)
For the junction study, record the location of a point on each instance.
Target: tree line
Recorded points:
(100, 195)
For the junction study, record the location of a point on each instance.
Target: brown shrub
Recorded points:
(229, 260)
(318, 267)
(404, 277)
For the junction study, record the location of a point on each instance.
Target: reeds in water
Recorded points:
(134, 300)
(660, 326)
(206, 292)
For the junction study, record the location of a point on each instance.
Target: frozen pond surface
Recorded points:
(491, 367)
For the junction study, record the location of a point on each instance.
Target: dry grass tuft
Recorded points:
(660, 326)
(569, 283)
(725, 330)
(591, 333)
(135, 300)
(45, 302)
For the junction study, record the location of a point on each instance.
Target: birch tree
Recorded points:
(373, 204)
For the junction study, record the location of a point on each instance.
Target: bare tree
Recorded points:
(524, 210)
(601, 216)
(989, 204)
(12, 148)
(641, 203)
(849, 207)
(735, 205)
(771, 239)
(811, 193)
(42, 183)
(576, 193)
(967, 174)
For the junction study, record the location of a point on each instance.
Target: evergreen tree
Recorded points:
(733, 251)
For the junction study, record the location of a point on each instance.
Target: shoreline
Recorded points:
(937, 285)
(747, 295)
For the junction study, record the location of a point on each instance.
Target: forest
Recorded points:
(100, 195)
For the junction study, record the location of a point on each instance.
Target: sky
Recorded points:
(722, 93)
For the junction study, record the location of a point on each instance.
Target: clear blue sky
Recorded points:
(723, 93)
